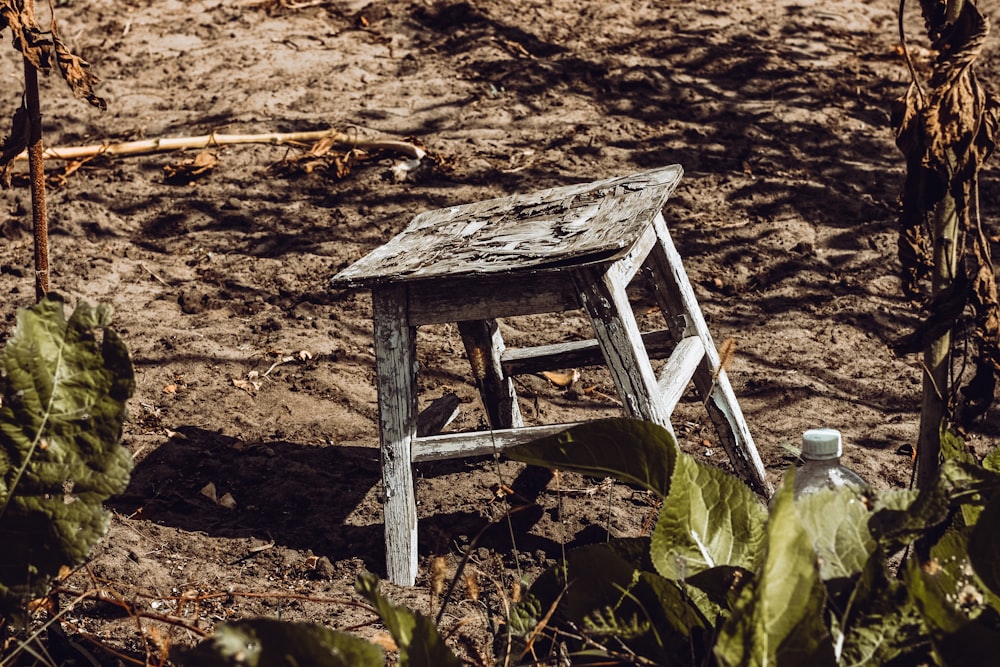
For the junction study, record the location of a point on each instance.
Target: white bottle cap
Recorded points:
(822, 444)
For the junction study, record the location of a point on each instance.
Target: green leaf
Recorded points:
(953, 447)
(268, 642)
(992, 460)
(606, 585)
(634, 451)
(956, 484)
(63, 407)
(721, 586)
(837, 524)
(525, 615)
(984, 546)
(881, 622)
(778, 619)
(962, 633)
(893, 500)
(416, 636)
(708, 519)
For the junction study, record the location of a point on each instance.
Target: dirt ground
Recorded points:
(258, 378)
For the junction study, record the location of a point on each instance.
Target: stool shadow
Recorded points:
(297, 495)
(441, 533)
(301, 496)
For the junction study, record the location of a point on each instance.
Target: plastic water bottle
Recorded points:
(821, 468)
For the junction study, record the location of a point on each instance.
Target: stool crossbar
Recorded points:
(565, 248)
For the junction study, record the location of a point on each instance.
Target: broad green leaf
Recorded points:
(268, 642)
(778, 619)
(957, 575)
(606, 585)
(416, 636)
(837, 524)
(984, 546)
(720, 585)
(63, 407)
(953, 447)
(708, 519)
(895, 500)
(963, 632)
(956, 484)
(603, 623)
(631, 450)
(881, 622)
(992, 460)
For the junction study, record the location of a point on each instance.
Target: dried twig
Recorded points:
(162, 145)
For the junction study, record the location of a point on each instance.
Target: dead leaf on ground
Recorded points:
(249, 386)
(564, 380)
(192, 168)
(321, 157)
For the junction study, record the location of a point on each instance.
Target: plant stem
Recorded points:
(937, 355)
(340, 139)
(37, 171)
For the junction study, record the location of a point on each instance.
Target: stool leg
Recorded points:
(675, 295)
(484, 345)
(602, 294)
(396, 372)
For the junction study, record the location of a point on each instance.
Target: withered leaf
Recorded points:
(28, 36)
(76, 71)
(18, 139)
(39, 47)
(562, 379)
(321, 156)
(191, 168)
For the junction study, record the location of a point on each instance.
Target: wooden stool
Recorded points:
(560, 249)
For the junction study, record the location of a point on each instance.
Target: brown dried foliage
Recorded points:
(42, 49)
(322, 157)
(76, 72)
(946, 133)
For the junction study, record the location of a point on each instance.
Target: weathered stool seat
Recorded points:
(560, 249)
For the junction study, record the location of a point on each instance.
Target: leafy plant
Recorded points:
(63, 391)
(268, 642)
(265, 642)
(723, 581)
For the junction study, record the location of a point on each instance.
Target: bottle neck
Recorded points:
(821, 462)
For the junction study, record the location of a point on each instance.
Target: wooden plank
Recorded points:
(678, 371)
(396, 374)
(480, 443)
(618, 334)
(583, 223)
(576, 354)
(452, 300)
(675, 295)
(629, 264)
(435, 417)
(484, 347)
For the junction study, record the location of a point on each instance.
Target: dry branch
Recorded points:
(146, 146)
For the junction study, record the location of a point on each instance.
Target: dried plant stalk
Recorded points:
(167, 144)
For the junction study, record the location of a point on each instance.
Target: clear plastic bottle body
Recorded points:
(821, 468)
(829, 474)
